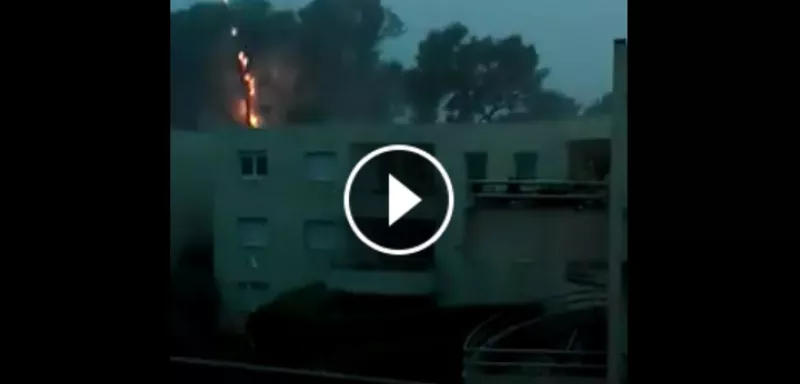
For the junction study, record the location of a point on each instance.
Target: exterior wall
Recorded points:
(190, 198)
(287, 199)
(521, 255)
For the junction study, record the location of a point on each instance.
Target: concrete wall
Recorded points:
(521, 255)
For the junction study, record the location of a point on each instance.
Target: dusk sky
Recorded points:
(573, 37)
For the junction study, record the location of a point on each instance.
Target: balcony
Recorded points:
(364, 271)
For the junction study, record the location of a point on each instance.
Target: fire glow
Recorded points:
(251, 101)
(249, 82)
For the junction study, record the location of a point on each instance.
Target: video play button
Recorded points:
(401, 200)
(398, 199)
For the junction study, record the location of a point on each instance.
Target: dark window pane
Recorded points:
(261, 165)
(246, 163)
(525, 164)
(476, 165)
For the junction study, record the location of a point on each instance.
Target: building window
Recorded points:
(476, 165)
(322, 235)
(525, 164)
(252, 232)
(253, 164)
(320, 166)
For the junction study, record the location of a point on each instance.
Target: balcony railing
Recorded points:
(592, 272)
(539, 362)
(481, 358)
(539, 192)
(500, 325)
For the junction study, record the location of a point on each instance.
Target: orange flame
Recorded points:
(251, 103)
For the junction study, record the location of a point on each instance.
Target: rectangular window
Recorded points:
(253, 164)
(320, 166)
(525, 164)
(476, 163)
(252, 232)
(322, 235)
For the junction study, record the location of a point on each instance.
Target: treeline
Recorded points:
(322, 62)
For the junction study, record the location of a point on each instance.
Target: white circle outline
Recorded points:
(349, 215)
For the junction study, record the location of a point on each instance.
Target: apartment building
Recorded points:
(278, 219)
(272, 202)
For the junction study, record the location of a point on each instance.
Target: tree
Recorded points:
(435, 74)
(292, 329)
(481, 80)
(472, 79)
(340, 48)
(192, 33)
(602, 106)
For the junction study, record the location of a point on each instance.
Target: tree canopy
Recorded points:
(322, 62)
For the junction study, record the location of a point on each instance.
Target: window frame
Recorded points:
(253, 156)
(253, 245)
(518, 155)
(337, 228)
(334, 166)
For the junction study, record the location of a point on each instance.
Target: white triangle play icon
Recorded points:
(401, 200)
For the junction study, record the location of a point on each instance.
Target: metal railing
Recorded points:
(539, 187)
(544, 182)
(572, 300)
(539, 362)
(187, 370)
(590, 272)
(538, 193)
(480, 356)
